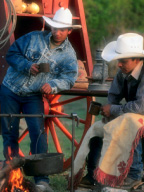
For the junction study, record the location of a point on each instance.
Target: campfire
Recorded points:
(12, 180)
(15, 182)
(12, 171)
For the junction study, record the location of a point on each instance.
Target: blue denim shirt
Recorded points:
(116, 94)
(32, 48)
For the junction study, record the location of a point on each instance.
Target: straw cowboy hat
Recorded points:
(128, 45)
(61, 19)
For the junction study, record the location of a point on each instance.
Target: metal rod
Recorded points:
(72, 158)
(74, 116)
(34, 115)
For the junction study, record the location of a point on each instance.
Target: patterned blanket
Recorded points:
(121, 137)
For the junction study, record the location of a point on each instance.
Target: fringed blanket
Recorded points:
(121, 137)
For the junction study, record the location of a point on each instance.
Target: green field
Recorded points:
(59, 181)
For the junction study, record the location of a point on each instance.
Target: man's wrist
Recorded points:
(116, 110)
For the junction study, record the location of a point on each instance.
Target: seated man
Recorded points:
(129, 84)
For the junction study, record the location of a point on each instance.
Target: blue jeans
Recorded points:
(95, 145)
(136, 168)
(14, 104)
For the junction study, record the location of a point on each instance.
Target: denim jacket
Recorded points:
(32, 48)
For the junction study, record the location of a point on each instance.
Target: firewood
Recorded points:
(13, 164)
(4, 183)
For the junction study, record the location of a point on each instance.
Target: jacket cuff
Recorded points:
(54, 89)
(116, 110)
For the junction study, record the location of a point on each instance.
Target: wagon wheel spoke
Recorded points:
(23, 135)
(21, 153)
(54, 135)
(64, 130)
(67, 101)
(55, 98)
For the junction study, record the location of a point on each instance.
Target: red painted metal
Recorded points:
(47, 107)
(54, 135)
(59, 3)
(23, 135)
(54, 98)
(67, 101)
(79, 38)
(47, 6)
(21, 153)
(85, 39)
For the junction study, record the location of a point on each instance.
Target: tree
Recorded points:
(106, 19)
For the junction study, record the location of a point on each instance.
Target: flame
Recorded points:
(16, 180)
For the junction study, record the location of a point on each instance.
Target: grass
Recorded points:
(59, 181)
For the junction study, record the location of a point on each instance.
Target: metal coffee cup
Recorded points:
(44, 67)
(94, 108)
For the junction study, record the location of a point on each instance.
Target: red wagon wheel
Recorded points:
(58, 106)
(60, 128)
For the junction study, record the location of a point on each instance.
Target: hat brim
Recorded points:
(109, 53)
(60, 25)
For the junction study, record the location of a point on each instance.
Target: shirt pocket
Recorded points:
(33, 55)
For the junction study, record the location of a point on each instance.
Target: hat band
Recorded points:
(61, 22)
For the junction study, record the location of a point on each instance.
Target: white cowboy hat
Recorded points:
(62, 19)
(128, 45)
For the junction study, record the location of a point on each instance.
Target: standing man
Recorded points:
(128, 84)
(24, 84)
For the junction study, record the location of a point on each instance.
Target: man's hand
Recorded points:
(46, 89)
(34, 70)
(105, 110)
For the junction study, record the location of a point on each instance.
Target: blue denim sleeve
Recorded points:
(115, 93)
(66, 79)
(16, 54)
